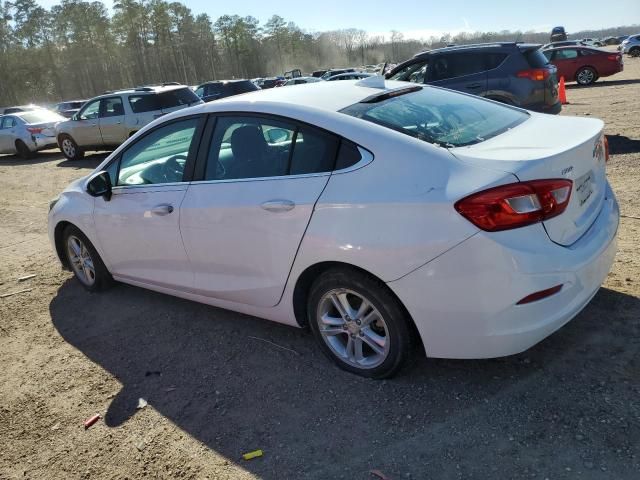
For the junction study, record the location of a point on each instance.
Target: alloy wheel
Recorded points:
(81, 261)
(586, 76)
(68, 148)
(353, 329)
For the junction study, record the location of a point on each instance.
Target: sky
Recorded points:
(423, 18)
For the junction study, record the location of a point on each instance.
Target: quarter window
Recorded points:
(158, 157)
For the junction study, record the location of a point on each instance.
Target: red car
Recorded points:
(584, 65)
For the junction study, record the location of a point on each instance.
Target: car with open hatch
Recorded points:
(383, 215)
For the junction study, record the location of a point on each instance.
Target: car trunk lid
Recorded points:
(45, 128)
(546, 147)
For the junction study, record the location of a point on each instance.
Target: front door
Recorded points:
(7, 134)
(243, 222)
(138, 228)
(86, 131)
(111, 122)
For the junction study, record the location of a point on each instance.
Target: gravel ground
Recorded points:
(568, 408)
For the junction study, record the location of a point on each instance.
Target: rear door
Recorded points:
(465, 72)
(112, 126)
(242, 223)
(7, 137)
(567, 62)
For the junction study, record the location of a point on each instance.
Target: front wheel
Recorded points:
(359, 324)
(84, 260)
(586, 76)
(70, 148)
(635, 52)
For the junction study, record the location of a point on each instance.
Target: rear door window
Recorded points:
(566, 54)
(143, 103)
(456, 65)
(494, 60)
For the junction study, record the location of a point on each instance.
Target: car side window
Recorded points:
(91, 111)
(111, 107)
(494, 60)
(158, 157)
(200, 92)
(348, 155)
(457, 65)
(566, 54)
(249, 147)
(415, 72)
(6, 123)
(314, 152)
(144, 103)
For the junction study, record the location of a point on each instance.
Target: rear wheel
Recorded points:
(586, 76)
(84, 260)
(359, 324)
(635, 52)
(23, 150)
(70, 148)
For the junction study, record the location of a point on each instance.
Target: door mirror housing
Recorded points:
(99, 185)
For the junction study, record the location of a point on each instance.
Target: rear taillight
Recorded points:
(516, 205)
(606, 149)
(534, 74)
(34, 130)
(614, 58)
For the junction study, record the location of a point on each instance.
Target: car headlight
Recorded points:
(52, 203)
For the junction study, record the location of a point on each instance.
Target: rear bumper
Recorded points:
(464, 302)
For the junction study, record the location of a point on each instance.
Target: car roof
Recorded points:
(143, 89)
(478, 46)
(332, 96)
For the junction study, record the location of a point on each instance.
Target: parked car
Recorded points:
(350, 76)
(104, 122)
(611, 41)
(300, 81)
(584, 65)
(558, 34)
(631, 46)
(216, 90)
(513, 73)
(591, 42)
(567, 43)
(335, 71)
(382, 216)
(26, 133)
(69, 108)
(318, 73)
(268, 83)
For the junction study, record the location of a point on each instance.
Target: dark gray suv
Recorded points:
(512, 73)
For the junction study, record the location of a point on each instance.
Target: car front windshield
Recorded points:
(439, 116)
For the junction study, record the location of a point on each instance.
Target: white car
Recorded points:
(26, 133)
(381, 214)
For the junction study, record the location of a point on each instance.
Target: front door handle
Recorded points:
(278, 205)
(162, 210)
(474, 86)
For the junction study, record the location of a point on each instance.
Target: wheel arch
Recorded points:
(307, 277)
(58, 233)
(595, 70)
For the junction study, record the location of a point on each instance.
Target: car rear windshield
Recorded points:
(41, 117)
(440, 116)
(536, 58)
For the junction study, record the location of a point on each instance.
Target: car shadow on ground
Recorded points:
(604, 83)
(212, 373)
(619, 144)
(89, 161)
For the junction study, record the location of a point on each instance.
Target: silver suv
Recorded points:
(631, 46)
(104, 122)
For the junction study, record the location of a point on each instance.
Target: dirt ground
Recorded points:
(568, 408)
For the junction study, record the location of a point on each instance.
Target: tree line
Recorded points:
(78, 49)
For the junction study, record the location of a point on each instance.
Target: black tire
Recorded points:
(102, 278)
(635, 52)
(69, 147)
(398, 332)
(586, 76)
(23, 150)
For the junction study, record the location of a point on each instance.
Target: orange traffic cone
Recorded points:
(562, 92)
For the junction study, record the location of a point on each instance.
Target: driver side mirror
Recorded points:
(277, 135)
(75, 117)
(99, 185)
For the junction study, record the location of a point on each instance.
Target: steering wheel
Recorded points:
(172, 171)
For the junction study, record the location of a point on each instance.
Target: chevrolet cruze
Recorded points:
(383, 215)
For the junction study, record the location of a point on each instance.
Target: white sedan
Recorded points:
(26, 133)
(383, 215)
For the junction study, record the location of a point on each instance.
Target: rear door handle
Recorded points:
(278, 205)
(162, 210)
